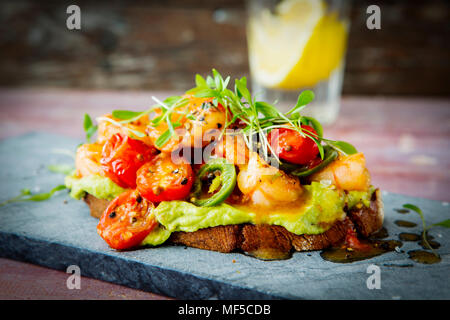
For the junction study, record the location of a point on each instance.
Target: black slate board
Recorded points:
(57, 234)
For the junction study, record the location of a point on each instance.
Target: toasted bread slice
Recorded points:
(369, 220)
(270, 241)
(96, 205)
(220, 238)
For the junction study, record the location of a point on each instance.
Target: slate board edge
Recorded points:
(160, 280)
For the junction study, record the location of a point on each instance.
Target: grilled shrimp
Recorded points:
(232, 148)
(347, 173)
(197, 132)
(107, 129)
(265, 185)
(87, 160)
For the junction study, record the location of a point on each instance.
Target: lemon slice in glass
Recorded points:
(296, 46)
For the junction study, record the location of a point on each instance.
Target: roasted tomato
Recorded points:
(122, 157)
(162, 180)
(127, 220)
(289, 145)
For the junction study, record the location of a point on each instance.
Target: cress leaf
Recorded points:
(344, 147)
(445, 224)
(210, 82)
(206, 93)
(225, 83)
(413, 208)
(218, 81)
(241, 89)
(316, 125)
(25, 195)
(303, 99)
(125, 114)
(200, 81)
(157, 120)
(87, 123)
(89, 127)
(163, 138)
(45, 196)
(425, 228)
(90, 132)
(170, 101)
(266, 109)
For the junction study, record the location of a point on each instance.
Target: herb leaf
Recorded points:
(266, 109)
(413, 208)
(125, 114)
(45, 196)
(425, 228)
(243, 107)
(304, 98)
(205, 93)
(445, 224)
(241, 89)
(315, 124)
(163, 138)
(200, 81)
(343, 147)
(87, 123)
(25, 195)
(89, 127)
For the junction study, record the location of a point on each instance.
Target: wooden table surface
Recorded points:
(406, 142)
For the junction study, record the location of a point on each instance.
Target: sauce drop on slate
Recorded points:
(269, 254)
(433, 244)
(425, 257)
(405, 224)
(405, 236)
(402, 211)
(380, 234)
(344, 255)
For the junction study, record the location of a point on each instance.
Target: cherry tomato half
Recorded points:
(122, 157)
(127, 220)
(289, 145)
(162, 180)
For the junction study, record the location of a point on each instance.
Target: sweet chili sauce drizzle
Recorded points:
(405, 224)
(354, 249)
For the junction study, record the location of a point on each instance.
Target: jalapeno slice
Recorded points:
(227, 181)
(303, 171)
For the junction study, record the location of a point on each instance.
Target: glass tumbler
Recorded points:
(294, 45)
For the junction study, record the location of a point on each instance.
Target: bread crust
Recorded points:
(271, 241)
(369, 220)
(96, 205)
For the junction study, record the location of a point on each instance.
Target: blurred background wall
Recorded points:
(160, 45)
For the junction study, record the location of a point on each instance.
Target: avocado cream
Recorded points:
(96, 185)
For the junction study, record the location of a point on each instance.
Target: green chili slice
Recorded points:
(227, 179)
(329, 156)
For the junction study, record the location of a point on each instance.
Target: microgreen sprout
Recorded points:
(89, 127)
(444, 223)
(257, 117)
(26, 195)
